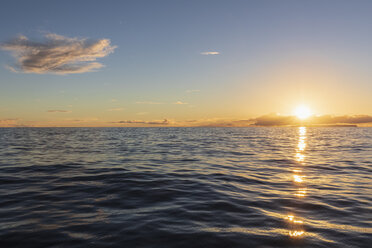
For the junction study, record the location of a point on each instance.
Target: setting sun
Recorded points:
(302, 112)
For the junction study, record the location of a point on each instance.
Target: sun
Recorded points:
(302, 112)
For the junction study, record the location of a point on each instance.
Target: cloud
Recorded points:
(344, 119)
(163, 122)
(274, 120)
(323, 120)
(59, 111)
(13, 122)
(192, 91)
(222, 123)
(209, 53)
(57, 54)
(180, 103)
(149, 102)
(92, 119)
(115, 109)
(9, 122)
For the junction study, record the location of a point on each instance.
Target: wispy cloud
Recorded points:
(59, 111)
(163, 122)
(57, 54)
(192, 91)
(274, 120)
(149, 102)
(92, 119)
(210, 53)
(180, 103)
(115, 109)
(9, 122)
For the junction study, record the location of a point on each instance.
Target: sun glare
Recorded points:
(302, 112)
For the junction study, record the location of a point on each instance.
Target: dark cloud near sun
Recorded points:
(281, 120)
(274, 120)
(268, 120)
(57, 54)
(346, 119)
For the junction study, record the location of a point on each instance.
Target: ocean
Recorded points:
(186, 187)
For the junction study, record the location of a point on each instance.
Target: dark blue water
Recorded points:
(186, 187)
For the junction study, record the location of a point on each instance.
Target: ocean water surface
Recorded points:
(186, 187)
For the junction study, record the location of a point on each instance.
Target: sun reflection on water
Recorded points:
(296, 233)
(301, 192)
(301, 144)
(300, 157)
(302, 131)
(297, 178)
(292, 219)
(295, 224)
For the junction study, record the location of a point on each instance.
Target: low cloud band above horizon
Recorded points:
(270, 120)
(281, 120)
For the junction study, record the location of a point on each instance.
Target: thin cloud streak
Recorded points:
(163, 122)
(57, 54)
(9, 122)
(192, 91)
(115, 109)
(210, 53)
(149, 102)
(58, 111)
(180, 103)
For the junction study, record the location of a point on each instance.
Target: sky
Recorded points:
(184, 63)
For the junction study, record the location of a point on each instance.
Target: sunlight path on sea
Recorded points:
(295, 223)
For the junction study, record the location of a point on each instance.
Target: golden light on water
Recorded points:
(290, 217)
(295, 225)
(301, 192)
(297, 178)
(296, 233)
(301, 145)
(302, 131)
(302, 139)
(300, 157)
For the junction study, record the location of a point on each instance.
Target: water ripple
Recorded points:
(185, 187)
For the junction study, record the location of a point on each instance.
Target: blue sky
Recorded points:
(158, 59)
